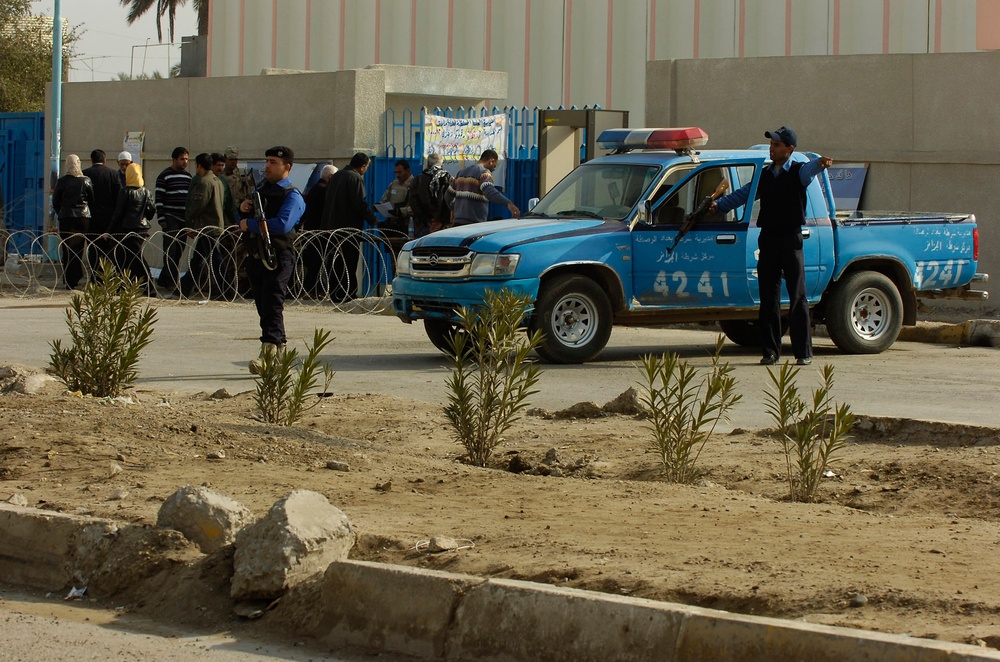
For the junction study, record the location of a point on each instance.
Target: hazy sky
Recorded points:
(106, 47)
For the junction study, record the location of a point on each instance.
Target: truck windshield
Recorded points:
(598, 190)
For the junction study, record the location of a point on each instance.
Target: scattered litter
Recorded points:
(76, 593)
(434, 545)
(17, 499)
(829, 474)
(254, 609)
(203, 302)
(163, 404)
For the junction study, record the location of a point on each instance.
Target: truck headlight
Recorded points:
(492, 264)
(403, 263)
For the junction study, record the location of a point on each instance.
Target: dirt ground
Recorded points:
(904, 537)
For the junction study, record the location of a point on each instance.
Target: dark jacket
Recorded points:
(205, 204)
(72, 197)
(782, 202)
(312, 219)
(134, 211)
(345, 202)
(427, 197)
(106, 187)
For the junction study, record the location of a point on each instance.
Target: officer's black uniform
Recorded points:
(270, 285)
(782, 214)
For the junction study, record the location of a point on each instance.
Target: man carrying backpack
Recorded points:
(427, 203)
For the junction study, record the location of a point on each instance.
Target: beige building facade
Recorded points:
(579, 52)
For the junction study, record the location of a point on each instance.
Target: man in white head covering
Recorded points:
(124, 160)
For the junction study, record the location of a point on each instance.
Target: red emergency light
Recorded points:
(679, 139)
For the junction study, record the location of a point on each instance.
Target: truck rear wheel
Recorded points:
(746, 333)
(575, 316)
(865, 313)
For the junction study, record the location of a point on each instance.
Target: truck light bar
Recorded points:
(680, 139)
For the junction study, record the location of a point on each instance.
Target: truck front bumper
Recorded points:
(421, 299)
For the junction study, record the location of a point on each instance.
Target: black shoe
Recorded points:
(769, 360)
(804, 361)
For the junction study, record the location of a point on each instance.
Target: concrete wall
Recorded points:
(927, 124)
(328, 115)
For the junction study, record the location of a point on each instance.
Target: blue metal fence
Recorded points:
(22, 176)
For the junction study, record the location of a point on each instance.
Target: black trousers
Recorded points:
(269, 290)
(781, 255)
(99, 249)
(343, 275)
(204, 252)
(74, 244)
(127, 255)
(174, 242)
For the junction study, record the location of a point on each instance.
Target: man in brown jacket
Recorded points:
(204, 221)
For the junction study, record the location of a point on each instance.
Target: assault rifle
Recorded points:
(698, 213)
(264, 249)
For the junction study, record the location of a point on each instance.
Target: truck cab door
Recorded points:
(707, 267)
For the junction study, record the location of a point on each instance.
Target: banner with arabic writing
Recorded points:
(464, 139)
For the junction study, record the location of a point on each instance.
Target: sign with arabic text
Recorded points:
(464, 139)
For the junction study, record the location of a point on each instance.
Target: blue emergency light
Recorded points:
(679, 139)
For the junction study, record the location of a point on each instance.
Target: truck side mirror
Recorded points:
(646, 211)
(531, 203)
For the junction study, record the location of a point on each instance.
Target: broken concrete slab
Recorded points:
(299, 537)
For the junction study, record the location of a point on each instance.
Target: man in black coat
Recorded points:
(346, 208)
(313, 244)
(106, 187)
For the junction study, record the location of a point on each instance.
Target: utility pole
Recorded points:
(56, 92)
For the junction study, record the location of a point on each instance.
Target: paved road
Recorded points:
(36, 627)
(206, 347)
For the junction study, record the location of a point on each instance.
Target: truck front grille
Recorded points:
(441, 262)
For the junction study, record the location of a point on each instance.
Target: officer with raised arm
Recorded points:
(782, 195)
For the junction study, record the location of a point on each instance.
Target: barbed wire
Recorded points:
(34, 265)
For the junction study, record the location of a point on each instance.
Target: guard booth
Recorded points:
(566, 138)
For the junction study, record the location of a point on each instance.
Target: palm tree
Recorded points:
(168, 8)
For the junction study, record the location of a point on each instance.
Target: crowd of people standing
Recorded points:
(104, 213)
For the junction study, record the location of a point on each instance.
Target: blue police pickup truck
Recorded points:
(626, 239)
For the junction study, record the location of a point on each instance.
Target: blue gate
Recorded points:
(22, 177)
(404, 140)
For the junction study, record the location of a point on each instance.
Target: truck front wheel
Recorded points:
(440, 332)
(574, 315)
(865, 313)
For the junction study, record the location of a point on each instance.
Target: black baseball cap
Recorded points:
(284, 153)
(785, 135)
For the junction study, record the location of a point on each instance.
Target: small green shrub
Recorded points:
(811, 434)
(284, 383)
(492, 376)
(684, 408)
(108, 328)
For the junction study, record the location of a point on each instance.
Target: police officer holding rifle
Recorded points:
(267, 221)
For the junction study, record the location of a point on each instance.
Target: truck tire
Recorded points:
(575, 317)
(865, 313)
(440, 333)
(746, 333)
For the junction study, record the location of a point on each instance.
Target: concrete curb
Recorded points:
(441, 615)
(50, 550)
(455, 617)
(979, 332)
